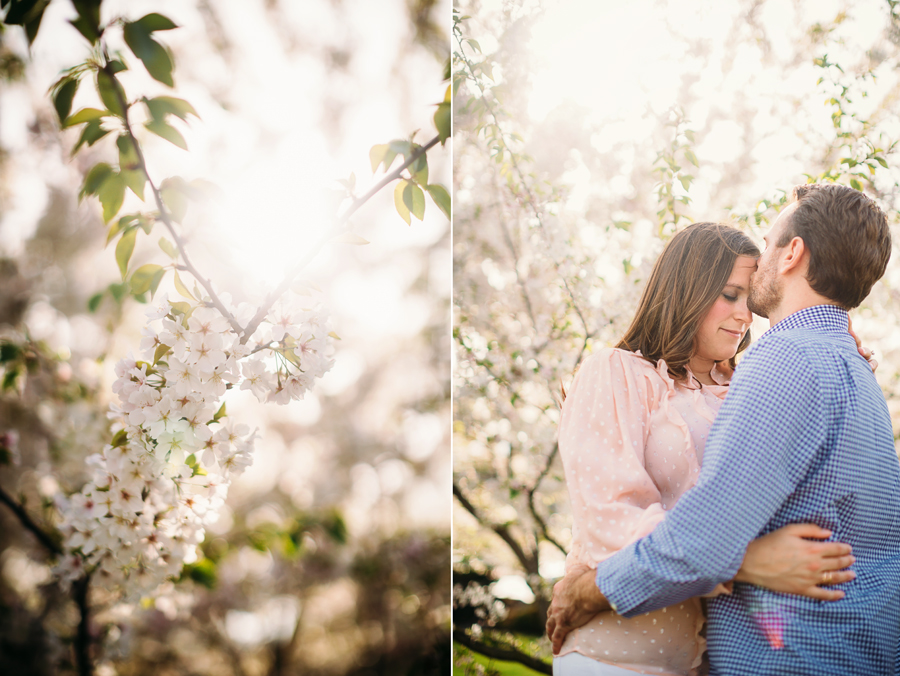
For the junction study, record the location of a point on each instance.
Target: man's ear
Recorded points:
(794, 257)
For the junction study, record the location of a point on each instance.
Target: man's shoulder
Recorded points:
(782, 360)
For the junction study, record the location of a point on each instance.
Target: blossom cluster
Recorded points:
(488, 608)
(161, 481)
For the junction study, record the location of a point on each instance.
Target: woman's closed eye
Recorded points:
(729, 298)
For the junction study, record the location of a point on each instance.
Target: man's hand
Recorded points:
(576, 599)
(789, 561)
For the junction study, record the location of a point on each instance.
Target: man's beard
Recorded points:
(765, 292)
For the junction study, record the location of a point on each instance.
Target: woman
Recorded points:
(631, 436)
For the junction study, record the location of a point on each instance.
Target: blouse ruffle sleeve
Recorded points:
(602, 438)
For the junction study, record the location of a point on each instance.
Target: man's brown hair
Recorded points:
(848, 239)
(686, 280)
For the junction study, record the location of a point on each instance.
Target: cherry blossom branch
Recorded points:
(530, 200)
(545, 532)
(165, 217)
(528, 561)
(507, 237)
(336, 229)
(46, 540)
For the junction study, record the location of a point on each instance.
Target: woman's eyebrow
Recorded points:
(735, 286)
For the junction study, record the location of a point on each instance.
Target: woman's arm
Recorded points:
(789, 560)
(602, 434)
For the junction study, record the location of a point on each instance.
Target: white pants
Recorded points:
(576, 664)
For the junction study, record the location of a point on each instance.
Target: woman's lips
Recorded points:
(735, 334)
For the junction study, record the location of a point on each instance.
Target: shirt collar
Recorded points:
(827, 317)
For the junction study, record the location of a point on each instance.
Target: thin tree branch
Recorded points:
(545, 532)
(83, 637)
(163, 212)
(337, 228)
(528, 562)
(530, 200)
(46, 540)
(506, 654)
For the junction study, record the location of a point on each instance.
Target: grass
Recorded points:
(502, 667)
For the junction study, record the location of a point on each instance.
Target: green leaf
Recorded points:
(440, 196)
(156, 22)
(169, 248)
(111, 195)
(399, 147)
(142, 278)
(9, 352)
(62, 99)
(419, 169)
(157, 278)
(135, 180)
(418, 200)
(94, 302)
(377, 154)
(124, 249)
(10, 377)
(119, 226)
(161, 106)
(153, 55)
(442, 121)
(111, 93)
(399, 202)
(220, 413)
(474, 44)
(86, 29)
(689, 155)
(85, 115)
(191, 461)
(168, 132)
(119, 439)
(88, 21)
(855, 184)
(182, 289)
(118, 291)
(336, 528)
(95, 178)
(91, 133)
(27, 13)
(130, 166)
(181, 308)
(128, 157)
(174, 194)
(161, 351)
(349, 238)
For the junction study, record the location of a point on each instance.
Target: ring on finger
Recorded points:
(827, 577)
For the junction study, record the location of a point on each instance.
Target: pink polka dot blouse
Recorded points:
(631, 440)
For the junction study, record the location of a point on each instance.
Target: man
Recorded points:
(804, 435)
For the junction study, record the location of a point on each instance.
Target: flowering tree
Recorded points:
(138, 525)
(561, 211)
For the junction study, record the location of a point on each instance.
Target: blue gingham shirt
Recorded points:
(804, 435)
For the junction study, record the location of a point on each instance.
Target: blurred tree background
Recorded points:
(586, 134)
(332, 552)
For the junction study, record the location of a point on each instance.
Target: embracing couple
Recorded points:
(773, 492)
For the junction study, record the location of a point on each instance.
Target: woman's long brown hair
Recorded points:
(685, 282)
